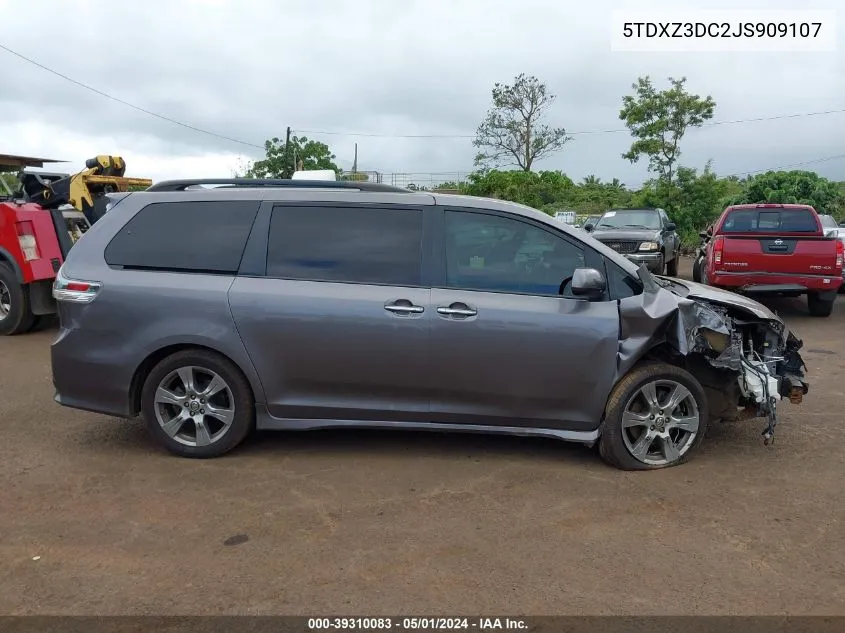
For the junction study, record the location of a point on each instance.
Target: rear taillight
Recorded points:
(718, 249)
(27, 241)
(840, 254)
(74, 290)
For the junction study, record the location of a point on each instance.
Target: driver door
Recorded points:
(510, 346)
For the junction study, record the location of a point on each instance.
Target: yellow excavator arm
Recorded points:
(84, 190)
(102, 174)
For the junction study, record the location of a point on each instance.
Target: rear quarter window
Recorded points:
(770, 221)
(185, 237)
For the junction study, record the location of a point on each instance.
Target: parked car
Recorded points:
(645, 236)
(832, 229)
(304, 305)
(775, 249)
(567, 217)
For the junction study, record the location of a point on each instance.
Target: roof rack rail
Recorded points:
(183, 184)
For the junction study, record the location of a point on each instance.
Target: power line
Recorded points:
(130, 105)
(782, 167)
(377, 135)
(578, 133)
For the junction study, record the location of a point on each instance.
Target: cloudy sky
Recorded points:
(377, 72)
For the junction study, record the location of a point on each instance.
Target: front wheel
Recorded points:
(197, 404)
(672, 267)
(819, 307)
(655, 418)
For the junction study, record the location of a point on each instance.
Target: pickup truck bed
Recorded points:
(775, 249)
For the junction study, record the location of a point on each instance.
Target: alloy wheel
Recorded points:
(660, 422)
(194, 406)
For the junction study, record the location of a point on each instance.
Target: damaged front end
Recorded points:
(762, 355)
(742, 353)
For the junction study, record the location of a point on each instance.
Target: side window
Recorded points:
(664, 219)
(185, 237)
(620, 283)
(346, 244)
(498, 254)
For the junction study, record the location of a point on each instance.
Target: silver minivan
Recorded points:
(297, 305)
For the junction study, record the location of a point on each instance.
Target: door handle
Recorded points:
(464, 312)
(404, 306)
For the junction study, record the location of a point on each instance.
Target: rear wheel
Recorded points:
(197, 404)
(672, 267)
(15, 313)
(655, 418)
(697, 266)
(819, 307)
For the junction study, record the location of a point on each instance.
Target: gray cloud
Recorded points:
(249, 69)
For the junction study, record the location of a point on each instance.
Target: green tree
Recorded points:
(658, 121)
(693, 200)
(793, 187)
(10, 181)
(301, 153)
(548, 191)
(513, 133)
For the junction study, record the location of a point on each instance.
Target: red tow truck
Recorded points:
(41, 217)
(774, 249)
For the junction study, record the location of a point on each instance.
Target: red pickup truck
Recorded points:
(776, 249)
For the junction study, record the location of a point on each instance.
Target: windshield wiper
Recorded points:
(606, 226)
(637, 226)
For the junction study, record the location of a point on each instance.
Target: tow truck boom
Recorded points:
(85, 190)
(39, 223)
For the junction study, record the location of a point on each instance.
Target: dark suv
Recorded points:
(307, 304)
(645, 236)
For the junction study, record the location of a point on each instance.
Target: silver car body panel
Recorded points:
(320, 354)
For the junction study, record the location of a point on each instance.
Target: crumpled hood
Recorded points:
(729, 299)
(630, 234)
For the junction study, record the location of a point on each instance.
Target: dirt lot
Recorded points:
(379, 522)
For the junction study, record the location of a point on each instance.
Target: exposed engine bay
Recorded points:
(742, 353)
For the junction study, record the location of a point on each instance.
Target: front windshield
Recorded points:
(828, 222)
(630, 219)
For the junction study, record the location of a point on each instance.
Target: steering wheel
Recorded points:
(563, 285)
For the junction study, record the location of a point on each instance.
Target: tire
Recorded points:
(819, 307)
(235, 400)
(618, 444)
(15, 312)
(696, 269)
(672, 267)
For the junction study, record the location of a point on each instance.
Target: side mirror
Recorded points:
(588, 227)
(671, 226)
(588, 283)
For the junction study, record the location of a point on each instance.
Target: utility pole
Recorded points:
(286, 173)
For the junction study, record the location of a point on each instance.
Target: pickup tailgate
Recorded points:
(750, 253)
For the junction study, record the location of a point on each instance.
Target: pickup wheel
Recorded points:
(15, 313)
(672, 267)
(819, 307)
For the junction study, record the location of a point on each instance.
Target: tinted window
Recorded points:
(488, 252)
(353, 244)
(630, 218)
(185, 236)
(770, 220)
(620, 283)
